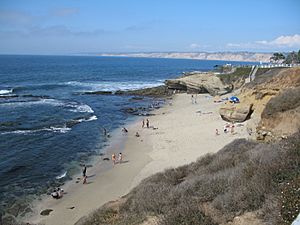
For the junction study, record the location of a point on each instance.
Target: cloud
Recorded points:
(64, 12)
(279, 42)
(195, 46)
(285, 41)
(51, 31)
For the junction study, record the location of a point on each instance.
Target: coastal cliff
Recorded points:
(275, 96)
(223, 56)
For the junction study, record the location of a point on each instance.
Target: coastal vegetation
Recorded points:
(245, 176)
(289, 58)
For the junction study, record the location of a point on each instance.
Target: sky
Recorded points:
(102, 26)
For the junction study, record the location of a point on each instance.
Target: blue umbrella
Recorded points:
(234, 99)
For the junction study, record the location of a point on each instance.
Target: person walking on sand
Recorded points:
(84, 171)
(120, 158)
(147, 123)
(124, 130)
(232, 128)
(113, 158)
(143, 123)
(192, 98)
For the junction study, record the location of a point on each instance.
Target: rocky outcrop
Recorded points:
(199, 83)
(236, 113)
(159, 91)
(275, 99)
(281, 116)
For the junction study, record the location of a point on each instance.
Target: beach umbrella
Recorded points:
(234, 99)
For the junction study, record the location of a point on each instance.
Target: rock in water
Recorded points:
(236, 113)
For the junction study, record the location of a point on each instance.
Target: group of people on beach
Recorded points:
(57, 193)
(147, 123)
(115, 160)
(194, 99)
(227, 127)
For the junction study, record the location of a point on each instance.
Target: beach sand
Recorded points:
(185, 131)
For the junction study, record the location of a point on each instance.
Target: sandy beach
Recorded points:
(179, 133)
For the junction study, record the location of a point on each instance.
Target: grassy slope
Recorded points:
(242, 177)
(239, 73)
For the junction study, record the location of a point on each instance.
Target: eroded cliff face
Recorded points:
(198, 82)
(275, 101)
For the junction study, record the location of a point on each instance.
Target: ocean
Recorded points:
(48, 127)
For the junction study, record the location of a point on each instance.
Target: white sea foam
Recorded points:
(6, 91)
(59, 129)
(61, 176)
(81, 108)
(94, 117)
(51, 129)
(72, 106)
(113, 86)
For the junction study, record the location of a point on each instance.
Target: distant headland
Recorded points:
(224, 56)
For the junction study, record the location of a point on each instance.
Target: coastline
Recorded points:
(183, 135)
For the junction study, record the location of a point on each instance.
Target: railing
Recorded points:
(279, 65)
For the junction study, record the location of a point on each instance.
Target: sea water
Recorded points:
(48, 127)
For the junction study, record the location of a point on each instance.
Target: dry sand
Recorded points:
(185, 131)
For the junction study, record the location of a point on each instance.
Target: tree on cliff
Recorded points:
(293, 57)
(276, 57)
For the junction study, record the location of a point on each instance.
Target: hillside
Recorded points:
(246, 182)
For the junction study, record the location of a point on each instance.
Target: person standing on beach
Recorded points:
(120, 158)
(232, 128)
(143, 123)
(147, 123)
(192, 98)
(84, 171)
(113, 158)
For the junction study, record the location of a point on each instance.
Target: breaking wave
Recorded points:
(71, 106)
(114, 86)
(6, 91)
